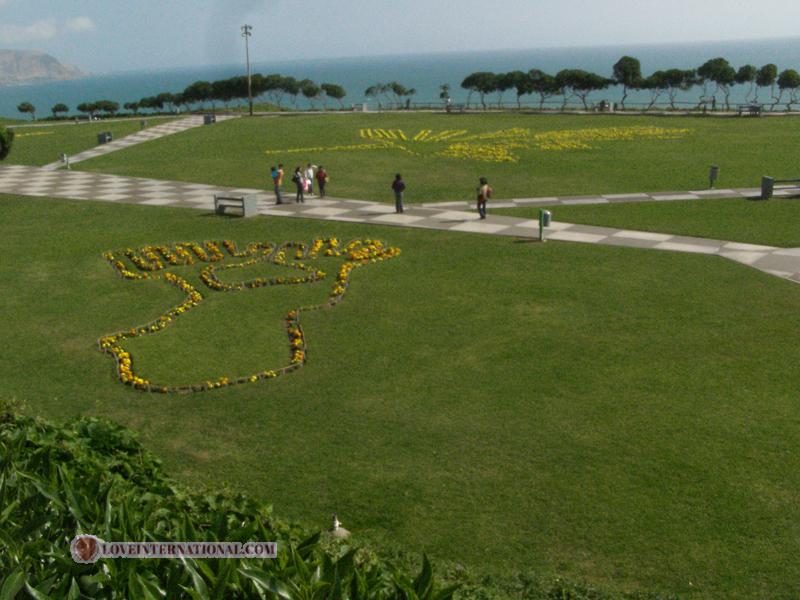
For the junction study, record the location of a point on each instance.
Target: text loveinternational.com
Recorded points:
(89, 549)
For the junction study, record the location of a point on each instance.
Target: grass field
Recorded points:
(42, 144)
(555, 154)
(774, 223)
(626, 418)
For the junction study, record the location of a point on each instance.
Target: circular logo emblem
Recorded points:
(85, 548)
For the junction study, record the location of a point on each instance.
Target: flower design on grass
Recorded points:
(158, 262)
(495, 146)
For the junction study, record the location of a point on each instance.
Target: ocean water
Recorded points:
(425, 72)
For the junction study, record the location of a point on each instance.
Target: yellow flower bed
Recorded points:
(495, 146)
(150, 262)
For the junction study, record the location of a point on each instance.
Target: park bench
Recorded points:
(768, 186)
(248, 204)
(450, 108)
(749, 110)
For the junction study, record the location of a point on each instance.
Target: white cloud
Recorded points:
(78, 24)
(40, 30)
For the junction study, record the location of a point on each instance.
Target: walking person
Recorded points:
(399, 186)
(322, 179)
(277, 180)
(484, 193)
(299, 181)
(310, 178)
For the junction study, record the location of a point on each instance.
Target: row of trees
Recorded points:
(715, 76)
(276, 88)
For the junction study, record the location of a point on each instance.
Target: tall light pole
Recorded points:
(246, 33)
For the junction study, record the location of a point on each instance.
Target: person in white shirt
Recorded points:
(309, 173)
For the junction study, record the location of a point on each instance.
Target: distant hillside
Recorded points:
(27, 66)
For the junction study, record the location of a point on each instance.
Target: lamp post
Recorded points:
(246, 33)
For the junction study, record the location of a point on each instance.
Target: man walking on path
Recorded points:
(277, 179)
(399, 186)
(484, 193)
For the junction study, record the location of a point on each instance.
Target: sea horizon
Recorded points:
(425, 71)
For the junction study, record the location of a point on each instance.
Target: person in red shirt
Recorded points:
(322, 179)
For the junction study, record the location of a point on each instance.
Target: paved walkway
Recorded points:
(151, 133)
(617, 198)
(34, 181)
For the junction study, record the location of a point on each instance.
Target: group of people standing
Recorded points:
(303, 180)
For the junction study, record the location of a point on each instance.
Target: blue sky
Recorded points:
(112, 35)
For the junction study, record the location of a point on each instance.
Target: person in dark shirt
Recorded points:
(399, 186)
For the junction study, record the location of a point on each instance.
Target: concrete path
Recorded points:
(617, 198)
(151, 133)
(34, 181)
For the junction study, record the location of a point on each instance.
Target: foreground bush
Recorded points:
(92, 476)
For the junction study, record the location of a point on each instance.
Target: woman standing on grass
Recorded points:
(484, 193)
(299, 180)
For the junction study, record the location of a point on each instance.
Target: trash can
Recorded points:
(767, 187)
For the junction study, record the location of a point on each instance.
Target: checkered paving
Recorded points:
(33, 181)
(146, 135)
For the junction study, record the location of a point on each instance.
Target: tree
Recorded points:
(310, 90)
(27, 107)
(6, 140)
(576, 82)
(444, 92)
(502, 83)
(334, 91)
(585, 83)
(223, 91)
(482, 82)
(721, 73)
(523, 84)
(273, 88)
(542, 84)
(134, 106)
(674, 81)
(197, 92)
(767, 76)
(656, 84)
(628, 74)
(789, 81)
(376, 91)
(59, 108)
(151, 102)
(292, 87)
(89, 108)
(747, 74)
(107, 106)
(168, 99)
(398, 92)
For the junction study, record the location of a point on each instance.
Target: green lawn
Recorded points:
(42, 144)
(775, 222)
(233, 153)
(622, 417)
